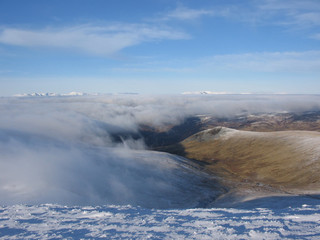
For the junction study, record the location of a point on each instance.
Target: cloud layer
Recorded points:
(63, 149)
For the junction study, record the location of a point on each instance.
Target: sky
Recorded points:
(159, 46)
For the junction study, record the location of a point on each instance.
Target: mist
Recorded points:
(63, 149)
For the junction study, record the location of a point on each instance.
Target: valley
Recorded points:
(251, 155)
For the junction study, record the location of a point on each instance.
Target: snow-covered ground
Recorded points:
(126, 222)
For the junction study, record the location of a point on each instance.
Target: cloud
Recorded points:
(184, 13)
(35, 171)
(96, 40)
(273, 62)
(297, 13)
(292, 14)
(287, 5)
(102, 39)
(154, 69)
(311, 18)
(78, 150)
(308, 61)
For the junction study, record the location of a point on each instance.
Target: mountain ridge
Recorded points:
(283, 161)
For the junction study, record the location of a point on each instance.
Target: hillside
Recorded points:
(285, 161)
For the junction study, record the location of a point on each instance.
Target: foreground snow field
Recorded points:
(126, 222)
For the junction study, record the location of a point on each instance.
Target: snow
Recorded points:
(70, 94)
(51, 221)
(53, 94)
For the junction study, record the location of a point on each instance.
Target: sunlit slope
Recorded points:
(288, 160)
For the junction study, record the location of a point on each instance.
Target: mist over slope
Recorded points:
(91, 149)
(36, 170)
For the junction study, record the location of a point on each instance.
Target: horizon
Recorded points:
(160, 47)
(195, 93)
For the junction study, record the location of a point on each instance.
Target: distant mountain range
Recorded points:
(52, 94)
(67, 94)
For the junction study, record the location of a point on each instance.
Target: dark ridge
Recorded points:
(168, 140)
(176, 134)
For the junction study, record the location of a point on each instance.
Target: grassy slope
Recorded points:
(287, 160)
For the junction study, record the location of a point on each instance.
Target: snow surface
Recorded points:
(51, 221)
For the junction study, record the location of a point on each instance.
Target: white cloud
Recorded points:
(96, 40)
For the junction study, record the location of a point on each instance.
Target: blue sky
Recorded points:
(159, 46)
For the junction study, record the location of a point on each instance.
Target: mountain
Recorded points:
(283, 161)
(68, 94)
(51, 94)
(36, 95)
(157, 138)
(266, 122)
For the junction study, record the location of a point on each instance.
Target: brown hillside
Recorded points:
(288, 160)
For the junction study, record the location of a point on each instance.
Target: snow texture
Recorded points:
(51, 221)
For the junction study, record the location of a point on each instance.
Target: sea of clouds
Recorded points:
(63, 149)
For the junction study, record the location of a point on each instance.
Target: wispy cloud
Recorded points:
(97, 40)
(287, 13)
(154, 69)
(267, 61)
(184, 13)
(289, 62)
(292, 5)
(291, 13)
